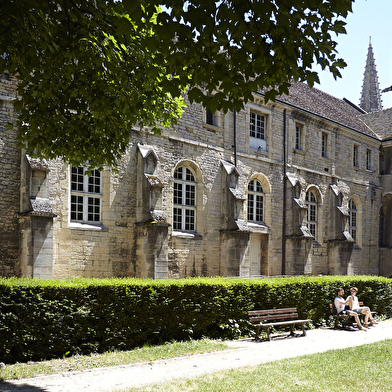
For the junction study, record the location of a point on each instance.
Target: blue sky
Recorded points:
(370, 18)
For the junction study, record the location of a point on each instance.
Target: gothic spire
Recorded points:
(370, 100)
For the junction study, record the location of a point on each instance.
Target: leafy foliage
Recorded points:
(83, 84)
(49, 319)
(90, 71)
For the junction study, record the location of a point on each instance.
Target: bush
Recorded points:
(49, 319)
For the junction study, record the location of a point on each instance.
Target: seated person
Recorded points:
(340, 305)
(354, 306)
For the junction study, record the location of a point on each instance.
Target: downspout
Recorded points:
(284, 197)
(235, 137)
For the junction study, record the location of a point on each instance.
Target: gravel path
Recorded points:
(243, 353)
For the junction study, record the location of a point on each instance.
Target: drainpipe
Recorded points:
(235, 137)
(284, 197)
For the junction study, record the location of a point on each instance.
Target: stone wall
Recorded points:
(10, 159)
(125, 244)
(135, 236)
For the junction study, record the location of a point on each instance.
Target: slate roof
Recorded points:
(327, 106)
(41, 207)
(38, 164)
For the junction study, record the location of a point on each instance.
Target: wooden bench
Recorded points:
(346, 317)
(268, 318)
(339, 316)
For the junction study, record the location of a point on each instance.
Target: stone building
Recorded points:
(302, 185)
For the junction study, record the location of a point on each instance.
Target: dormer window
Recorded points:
(324, 145)
(212, 118)
(368, 159)
(355, 155)
(299, 137)
(258, 130)
(257, 126)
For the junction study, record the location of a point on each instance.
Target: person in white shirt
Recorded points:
(365, 310)
(340, 304)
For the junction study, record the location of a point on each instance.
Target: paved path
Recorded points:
(243, 353)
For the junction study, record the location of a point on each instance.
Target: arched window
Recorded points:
(184, 200)
(311, 214)
(255, 202)
(352, 223)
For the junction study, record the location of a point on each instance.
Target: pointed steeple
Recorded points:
(370, 100)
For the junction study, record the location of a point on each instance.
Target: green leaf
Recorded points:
(104, 66)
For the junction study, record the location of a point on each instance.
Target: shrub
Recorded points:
(48, 319)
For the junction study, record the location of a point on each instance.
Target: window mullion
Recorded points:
(183, 215)
(85, 208)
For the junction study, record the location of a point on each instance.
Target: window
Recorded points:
(355, 155)
(210, 118)
(368, 159)
(258, 131)
(324, 145)
(255, 202)
(298, 137)
(352, 224)
(86, 196)
(257, 126)
(184, 200)
(311, 213)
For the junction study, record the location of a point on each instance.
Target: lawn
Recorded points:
(366, 367)
(82, 362)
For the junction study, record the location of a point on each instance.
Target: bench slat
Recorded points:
(271, 311)
(273, 317)
(291, 322)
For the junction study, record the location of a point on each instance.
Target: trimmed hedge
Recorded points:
(49, 319)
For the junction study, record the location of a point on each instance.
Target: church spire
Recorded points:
(370, 100)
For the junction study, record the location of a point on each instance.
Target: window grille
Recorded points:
(255, 202)
(184, 200)
(355, 156)
(352, 224)
(324, 145)
(298, 137)
(210, 118)
(368, 159)
(257, 126)
(311, 214)
(86, 196)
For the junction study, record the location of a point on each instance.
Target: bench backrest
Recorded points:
(272, 314)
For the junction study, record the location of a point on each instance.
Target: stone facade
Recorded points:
(306, 197)
(10, 182)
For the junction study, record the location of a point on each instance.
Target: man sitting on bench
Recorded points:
(340, 305)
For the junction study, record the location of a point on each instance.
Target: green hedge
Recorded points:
(48, 319)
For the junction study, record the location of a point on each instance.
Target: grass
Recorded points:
(81, 362)
(366, 367)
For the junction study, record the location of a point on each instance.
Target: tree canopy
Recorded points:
(91, 70)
